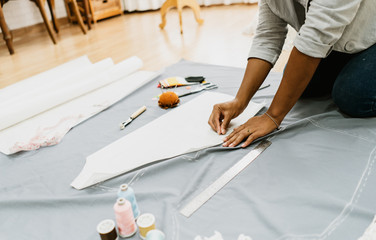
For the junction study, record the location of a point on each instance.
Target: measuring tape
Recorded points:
(209, 192)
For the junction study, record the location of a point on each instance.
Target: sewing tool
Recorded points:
(107, 230)
(168, 100)
(124, 218)
(127, 192)
(155, 234)
(133, 116)
(180, 81)
(202, 87)
(145, 223)
(218, 184)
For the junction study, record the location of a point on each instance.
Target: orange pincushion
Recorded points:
(168, 100)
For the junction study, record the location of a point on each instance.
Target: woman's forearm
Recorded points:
(254, 76)
(298, 73)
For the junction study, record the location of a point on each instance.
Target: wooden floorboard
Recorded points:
(219, 40)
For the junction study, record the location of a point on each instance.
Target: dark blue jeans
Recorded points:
(350, 79)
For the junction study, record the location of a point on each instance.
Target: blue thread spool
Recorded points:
(155, 234)
(127, 192)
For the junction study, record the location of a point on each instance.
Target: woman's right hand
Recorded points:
(223, 113)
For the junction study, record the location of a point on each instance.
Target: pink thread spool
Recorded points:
(124, 218)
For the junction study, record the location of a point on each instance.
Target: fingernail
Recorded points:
(231, 145)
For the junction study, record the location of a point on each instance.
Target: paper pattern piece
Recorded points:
(370, 233)
(182, 130)
(41, 117)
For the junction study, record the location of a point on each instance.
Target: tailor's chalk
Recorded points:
(195, 79)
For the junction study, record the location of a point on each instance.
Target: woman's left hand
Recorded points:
(254, 128)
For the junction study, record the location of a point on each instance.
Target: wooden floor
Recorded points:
(219, 40)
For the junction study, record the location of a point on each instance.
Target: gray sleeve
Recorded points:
(270, 35)
(324, 25)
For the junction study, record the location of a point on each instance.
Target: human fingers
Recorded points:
(237, 137)
(225, 123)
(214, 119)
(235, 131)
(250, 139)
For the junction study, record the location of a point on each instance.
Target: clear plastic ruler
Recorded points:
(218, 184)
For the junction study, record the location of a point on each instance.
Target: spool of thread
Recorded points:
(106, 230)
(145, 223)
(127, 192)
(155, 234)
(124, 218)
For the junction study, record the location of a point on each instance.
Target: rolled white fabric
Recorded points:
(94, 77)
(50, 76)
(57, 81)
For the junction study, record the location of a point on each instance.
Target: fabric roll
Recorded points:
(73, 86)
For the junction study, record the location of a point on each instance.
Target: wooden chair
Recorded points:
(5, 30)
(77, 9)
(51, 4)
(40, 4)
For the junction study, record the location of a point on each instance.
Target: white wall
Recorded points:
(22, 13)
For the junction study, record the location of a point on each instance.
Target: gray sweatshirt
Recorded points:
(323, 25)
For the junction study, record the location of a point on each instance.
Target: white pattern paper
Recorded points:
(182, 130)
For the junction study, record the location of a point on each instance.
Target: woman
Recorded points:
(334, 53)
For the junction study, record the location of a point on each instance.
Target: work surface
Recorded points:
(316, 180)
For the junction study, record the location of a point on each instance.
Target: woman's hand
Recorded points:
(254, 128)
(223, 113)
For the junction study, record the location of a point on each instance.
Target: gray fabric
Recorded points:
(316, 180)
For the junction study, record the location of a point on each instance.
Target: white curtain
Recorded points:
(143, 5)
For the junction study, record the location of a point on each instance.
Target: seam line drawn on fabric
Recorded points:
(355, 198)
(315, 123)
(350, 205)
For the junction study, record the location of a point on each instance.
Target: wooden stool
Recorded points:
(6, 33)
(179, 4)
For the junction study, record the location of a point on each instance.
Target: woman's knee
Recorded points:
(354, 90)
(354, 104)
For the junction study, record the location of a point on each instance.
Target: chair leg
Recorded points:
(93, 17)
(6, 33)
(87, 13)
(195, 7)
(40, 4)
(78, 15)
(51, 5)
(165, 7)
